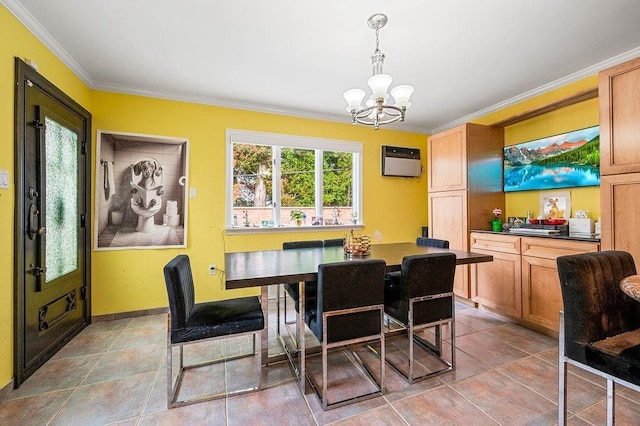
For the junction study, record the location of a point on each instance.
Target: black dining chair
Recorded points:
(599, 323)
(349, 311)
(292, 289)
(394, 277)
(334, 242)
(190, 322)
(423, 298)
(432, 242)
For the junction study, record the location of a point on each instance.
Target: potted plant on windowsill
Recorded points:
(116, 212)
(297, 216)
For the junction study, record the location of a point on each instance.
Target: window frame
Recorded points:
(278, 141)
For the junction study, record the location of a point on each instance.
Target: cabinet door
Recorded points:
(448, 221)
(447, 160)
(620, 220)
(542, 298)
(619, 91)
(541, 294)
(497, 284)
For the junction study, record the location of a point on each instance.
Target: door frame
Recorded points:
(24, 72)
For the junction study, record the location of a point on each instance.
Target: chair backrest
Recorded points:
(347, 285)
(334, 242)
(179, 281)
(432, 242)
(428, 275)
(594, 305)
(291, 245)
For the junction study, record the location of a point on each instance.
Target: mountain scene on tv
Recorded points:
(561, 161)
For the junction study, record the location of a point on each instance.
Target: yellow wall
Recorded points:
(577, 116)
(18, 42)
(132, 280)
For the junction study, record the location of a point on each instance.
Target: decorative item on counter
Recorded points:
(496, 222)
(357, 245)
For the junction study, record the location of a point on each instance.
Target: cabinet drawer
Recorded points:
(548, 248)
(495, 242)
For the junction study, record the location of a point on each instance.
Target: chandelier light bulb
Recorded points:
(379, 85)
(401, 94)
(354, 99)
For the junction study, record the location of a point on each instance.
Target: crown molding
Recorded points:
(571, 78)
(228, 103)
(27, 19)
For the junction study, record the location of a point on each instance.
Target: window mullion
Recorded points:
(277, 185)
(319, 186)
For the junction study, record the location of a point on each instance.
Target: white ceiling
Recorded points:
(465, 58)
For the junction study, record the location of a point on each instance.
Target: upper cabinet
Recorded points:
(466, 157)
(619, 92)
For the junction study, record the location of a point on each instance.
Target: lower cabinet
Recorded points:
(522, 281)
(497, 284)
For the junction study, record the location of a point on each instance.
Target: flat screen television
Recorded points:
(562, 161)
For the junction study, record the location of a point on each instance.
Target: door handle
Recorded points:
(32, 228)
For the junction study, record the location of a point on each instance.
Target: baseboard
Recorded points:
(129, 314)
(6, 390)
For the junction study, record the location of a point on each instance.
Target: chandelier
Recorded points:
(376, 110)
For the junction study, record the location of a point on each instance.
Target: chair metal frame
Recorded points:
(173, 389)
(436, 350)
(321, 391)
(563, 360)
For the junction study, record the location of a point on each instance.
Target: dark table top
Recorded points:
(258, 268)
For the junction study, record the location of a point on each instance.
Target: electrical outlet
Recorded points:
(212, 269)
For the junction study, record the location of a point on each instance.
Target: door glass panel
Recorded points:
(61, 215)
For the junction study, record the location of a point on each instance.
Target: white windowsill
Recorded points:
(289, 229)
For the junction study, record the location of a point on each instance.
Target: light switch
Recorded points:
(4, 179)
(193, 193)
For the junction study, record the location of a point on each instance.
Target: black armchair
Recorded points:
(599, 324)
(190, 322)
(349, 311)
(423, 298)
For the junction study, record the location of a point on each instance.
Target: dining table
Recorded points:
(272, 267)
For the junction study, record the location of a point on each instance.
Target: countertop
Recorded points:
(594, 238)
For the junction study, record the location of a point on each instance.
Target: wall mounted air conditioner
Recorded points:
(397, 161)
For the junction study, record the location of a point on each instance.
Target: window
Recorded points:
(285, 181)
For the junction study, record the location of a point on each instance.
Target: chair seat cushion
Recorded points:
(221, 318)
(618, 355)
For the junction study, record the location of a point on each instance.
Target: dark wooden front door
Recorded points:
(52, 198)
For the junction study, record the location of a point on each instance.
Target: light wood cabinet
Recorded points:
(497, 284)
(464, 167)
(619, 91)
(447, 213)
(620, 220)
(522, 281)
(541, 294)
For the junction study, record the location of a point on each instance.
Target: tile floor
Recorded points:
(114, 373)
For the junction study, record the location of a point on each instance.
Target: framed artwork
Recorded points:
(561, 161)
(141, 191)
(555, 205)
